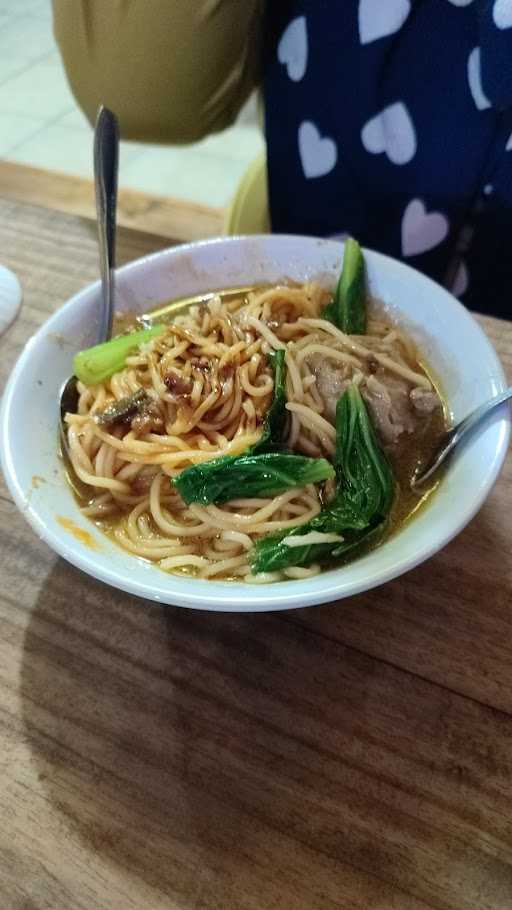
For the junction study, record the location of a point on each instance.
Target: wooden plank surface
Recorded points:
(162, 215)
(356, 755)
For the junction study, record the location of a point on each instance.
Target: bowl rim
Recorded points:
(212, 595)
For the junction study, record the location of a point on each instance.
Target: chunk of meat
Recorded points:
(226, 371)
(202, 364)
(394, 408)
(390, 407)
(178, 386)
(331, 382)
(142, 482)
(424, 402)
(149, 419)
(122, 410)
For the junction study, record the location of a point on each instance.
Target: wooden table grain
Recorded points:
(356, 755)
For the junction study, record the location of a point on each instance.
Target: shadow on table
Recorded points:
(220, 756)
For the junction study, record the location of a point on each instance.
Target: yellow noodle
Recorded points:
(327, 351)
(325, 430)
(357, 348)
(295, 380)
(263, 578)
(223, 566)
(178, 562)
(243, 539)
(302, 572)
(266, 333)
(255, 391)
(308, 447)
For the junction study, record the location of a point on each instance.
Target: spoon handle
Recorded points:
(469, 422)
(106, 160)
(459, 432)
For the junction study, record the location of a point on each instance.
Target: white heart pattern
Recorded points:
(422, 230)
(502, 14)
(461, 280)
(379, 18)
(292, 51)
(461, 2)
(392, 132)
(475, 80)
(318, 154)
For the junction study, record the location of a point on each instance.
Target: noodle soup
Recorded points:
(202, 390)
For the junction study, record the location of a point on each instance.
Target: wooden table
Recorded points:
(357, 755)
(74, 195)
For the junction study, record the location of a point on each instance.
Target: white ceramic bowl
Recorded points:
(454, 345)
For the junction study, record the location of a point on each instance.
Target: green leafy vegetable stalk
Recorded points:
(249, 475)
(261, 471)
(364, 495)
(347, 310)
(276, 419)
(96, 364)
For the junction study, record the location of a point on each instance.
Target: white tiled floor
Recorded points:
(41, 125)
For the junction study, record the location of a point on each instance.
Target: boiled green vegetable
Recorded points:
(272, 554)
(276, 418)
(365, 479)
(364, 495)
(347, 310)
(261, 471)
(238, 476)
(103, 360)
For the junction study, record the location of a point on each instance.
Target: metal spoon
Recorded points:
(457, 434)
(106, 158)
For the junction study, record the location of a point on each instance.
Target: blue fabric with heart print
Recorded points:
(391, 120)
